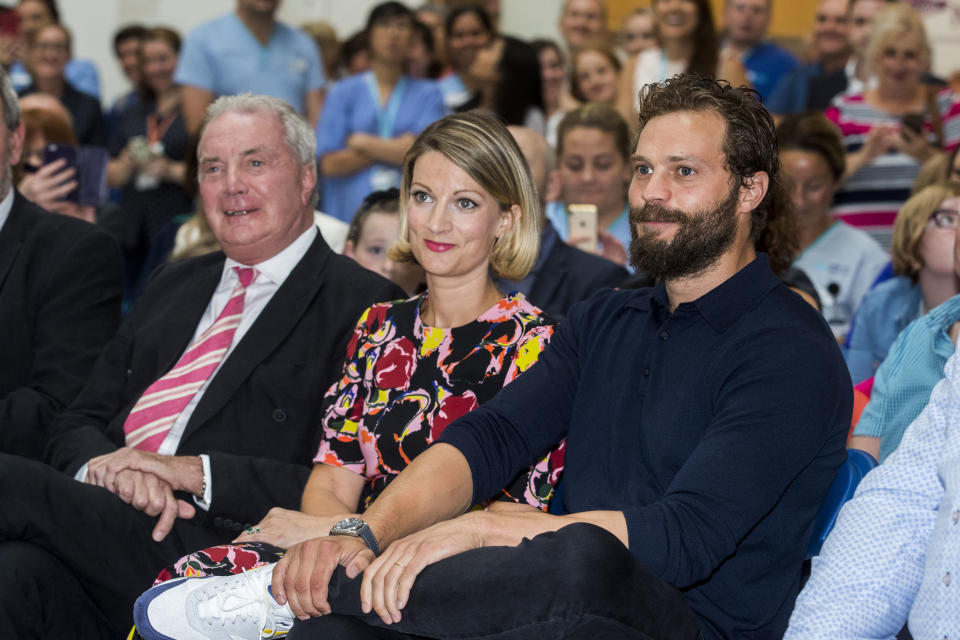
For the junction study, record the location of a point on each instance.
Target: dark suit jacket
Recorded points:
(259, 418)
(60, 281)
(570, 275)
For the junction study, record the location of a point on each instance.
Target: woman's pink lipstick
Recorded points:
(438, 247)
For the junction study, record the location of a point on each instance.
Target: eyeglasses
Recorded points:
(945, 218)
(53, 47)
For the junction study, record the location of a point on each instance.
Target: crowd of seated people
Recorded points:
(438, 174)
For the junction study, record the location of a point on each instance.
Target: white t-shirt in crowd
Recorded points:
(849, 259)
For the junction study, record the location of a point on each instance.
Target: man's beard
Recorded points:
(699, 241)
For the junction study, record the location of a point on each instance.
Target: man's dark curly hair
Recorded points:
(749, 146)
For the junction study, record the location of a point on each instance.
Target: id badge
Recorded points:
(384, 178)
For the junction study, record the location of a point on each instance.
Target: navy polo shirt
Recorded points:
(716, 429)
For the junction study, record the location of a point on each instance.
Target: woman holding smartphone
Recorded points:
(891, 129)
(593, 163)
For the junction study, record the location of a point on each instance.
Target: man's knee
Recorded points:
(589, 559)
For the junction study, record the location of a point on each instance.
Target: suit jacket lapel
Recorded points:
(12, 236)
(275, 322)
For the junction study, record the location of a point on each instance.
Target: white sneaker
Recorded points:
(239, 607)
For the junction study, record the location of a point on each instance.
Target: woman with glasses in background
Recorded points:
(923, 250)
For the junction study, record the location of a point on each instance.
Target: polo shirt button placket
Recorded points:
(946, 579)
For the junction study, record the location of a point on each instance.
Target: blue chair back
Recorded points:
(857, 465)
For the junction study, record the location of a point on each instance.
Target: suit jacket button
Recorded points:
(218, 521)
(279, 415)
(237, 527)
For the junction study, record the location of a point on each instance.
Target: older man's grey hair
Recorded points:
(298, 133)
(11, 106)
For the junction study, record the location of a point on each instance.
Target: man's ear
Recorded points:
(308, 181)
(752, 191)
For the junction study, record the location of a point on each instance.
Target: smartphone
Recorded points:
(54, 152)
(582, 226)
(913, 122)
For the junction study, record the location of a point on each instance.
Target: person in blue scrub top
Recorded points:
(370, 119)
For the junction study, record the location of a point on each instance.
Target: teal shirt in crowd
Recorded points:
(903, 383)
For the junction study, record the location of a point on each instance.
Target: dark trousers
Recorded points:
(74, 557)
(579, 582)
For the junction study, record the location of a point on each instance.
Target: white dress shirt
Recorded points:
(5, 205)
(271, 274)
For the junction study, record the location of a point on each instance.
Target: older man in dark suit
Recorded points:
(201, 414)
(60, 284)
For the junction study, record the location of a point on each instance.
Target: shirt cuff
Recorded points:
(204, 502)
(81, 474)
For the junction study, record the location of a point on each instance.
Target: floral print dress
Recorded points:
(402, 383)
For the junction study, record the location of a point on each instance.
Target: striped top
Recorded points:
(871, 197)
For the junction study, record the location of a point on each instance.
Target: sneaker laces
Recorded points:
(240, 602)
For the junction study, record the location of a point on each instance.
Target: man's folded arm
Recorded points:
(80, 433)
(246, 487)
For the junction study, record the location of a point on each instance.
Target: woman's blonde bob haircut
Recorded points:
(478, 143)
(892, 24)
(911, 223)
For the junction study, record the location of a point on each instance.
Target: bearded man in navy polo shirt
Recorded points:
(704, 418)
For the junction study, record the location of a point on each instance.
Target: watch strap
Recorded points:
(367, 535)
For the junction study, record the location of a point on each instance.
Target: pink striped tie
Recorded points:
(157, 409)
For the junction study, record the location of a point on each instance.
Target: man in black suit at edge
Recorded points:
(77, 547)
(60, 284)
(563, 274)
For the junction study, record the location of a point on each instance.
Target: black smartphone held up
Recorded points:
(913, 122)
(54, 152)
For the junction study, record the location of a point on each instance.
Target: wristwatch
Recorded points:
(358, 529)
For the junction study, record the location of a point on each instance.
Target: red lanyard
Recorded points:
(157, 127)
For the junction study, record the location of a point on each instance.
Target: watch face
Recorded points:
(348, 527)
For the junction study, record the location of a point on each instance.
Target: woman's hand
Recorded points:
(912, 144)
(880, 139)
(285, 528)
(610, 247)
(389, 578)
(49, 185)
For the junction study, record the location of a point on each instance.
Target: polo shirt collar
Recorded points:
(725, 304)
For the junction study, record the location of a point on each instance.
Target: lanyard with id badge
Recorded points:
(383, 176)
